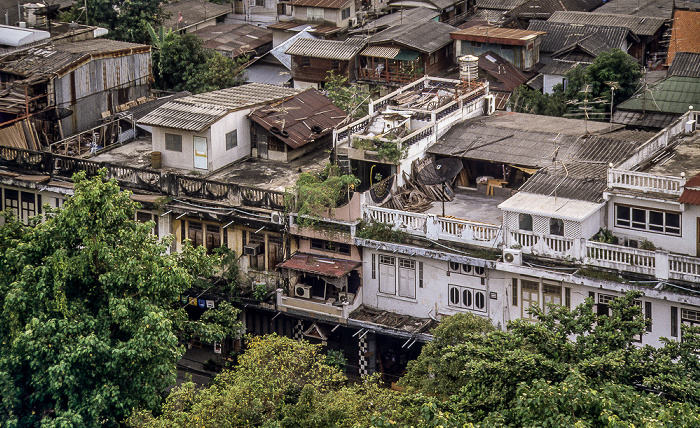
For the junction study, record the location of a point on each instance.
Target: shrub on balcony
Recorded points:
(390, 151)
(380, 232)
(315, 194)
(605, 235)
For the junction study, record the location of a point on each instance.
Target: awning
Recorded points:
(550, 206)
(319, 265)
(390, 53)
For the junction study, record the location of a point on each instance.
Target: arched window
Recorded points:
(525, 222)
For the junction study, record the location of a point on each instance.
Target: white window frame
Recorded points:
(647, 225)
(472, 299)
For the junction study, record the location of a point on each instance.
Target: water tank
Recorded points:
(30, 17)
(468, 67)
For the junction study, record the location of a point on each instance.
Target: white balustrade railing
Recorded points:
(645, 182)
(409, 221)
(544, 245)
(621, 258)
(684, 268)
(468, 231)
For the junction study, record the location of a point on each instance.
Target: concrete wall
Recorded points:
(185, 158)
(683, 244)
(220, 157)
(333, 16)
(550, 81)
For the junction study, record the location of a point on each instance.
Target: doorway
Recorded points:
(200, 153)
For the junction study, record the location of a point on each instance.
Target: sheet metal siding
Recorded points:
(94, 81)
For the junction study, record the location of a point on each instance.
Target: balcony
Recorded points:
(333, 310)
(647, 183)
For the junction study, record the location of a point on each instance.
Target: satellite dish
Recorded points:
(448, 168)
(53, 114)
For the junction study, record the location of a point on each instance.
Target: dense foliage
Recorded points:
(89, 312)
(315, 194)
(591, 85)
(126, 20)
(181, 63)
(352, 99)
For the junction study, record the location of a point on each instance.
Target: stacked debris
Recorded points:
(417, 196)
(21, 135)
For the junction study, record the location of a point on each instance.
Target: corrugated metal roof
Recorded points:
(685, 64)
(197, 112)
(498, 4)
(672, 95)
(550, 206)
(641, 26)
(544, 8)
(193, 12)
(418, 14)
(496, 34)
(329, 49)
(507, 76)
(271, 74)
(326, 4)
(297, 115)
(278, 51)
(651, 8)
(142, 110)
(560, 35)
(691, 191)
(426, 37)
(685, 33)
(380, 52)
(236, 39)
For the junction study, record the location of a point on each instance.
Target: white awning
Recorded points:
(16, 36)
(550, 206)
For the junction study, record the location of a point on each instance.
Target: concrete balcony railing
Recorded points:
(317, 308)
(644, 182)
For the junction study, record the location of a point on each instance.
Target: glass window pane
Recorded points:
(639, 218)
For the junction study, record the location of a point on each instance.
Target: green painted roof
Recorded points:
(407, 55)
(671, 95)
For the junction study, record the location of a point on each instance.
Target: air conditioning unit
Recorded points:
(690, 126)
(277, 217)
(511, 256)
(252, 249)
(353, 22)
(302, 291)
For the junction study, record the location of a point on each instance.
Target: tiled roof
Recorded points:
(508, 77)
(425, 37)
(298, 116)
(142, 110)
(329, 49)
(650, 8)
(326, 4)
(685, 64)
(560, 68)
(641, 26)
(672, 95)
(319, 265)
(647, 119)
(685, 33)
(544, 8)
(197, 112)
(691, 191)
(560, 35)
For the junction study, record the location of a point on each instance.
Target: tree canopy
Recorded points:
(127, 20)
(614, 68)
(89, 311)
(181, 63)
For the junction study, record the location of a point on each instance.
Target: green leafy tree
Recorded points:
(89, 311)
(350, 98)
(127, 20)
(181, 63)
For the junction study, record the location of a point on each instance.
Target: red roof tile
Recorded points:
(691, 192)
(319, 265)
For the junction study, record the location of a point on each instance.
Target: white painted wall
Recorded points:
(550, 81)
(185, 159)
(683, 244)
(220, 157)
(298, 84)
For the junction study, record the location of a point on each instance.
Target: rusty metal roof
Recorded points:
(691, 191)
(236, 39)
(319, 265)
(328, 49)
(299, 116)
(426, 37)
(488, 34)
(192, 11)
(197, 112)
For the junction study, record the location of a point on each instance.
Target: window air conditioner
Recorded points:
(277, 217)
(511, 256)
(252, 249)
(302, 291)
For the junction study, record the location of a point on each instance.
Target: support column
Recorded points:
(299, 331)
(367, 353)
